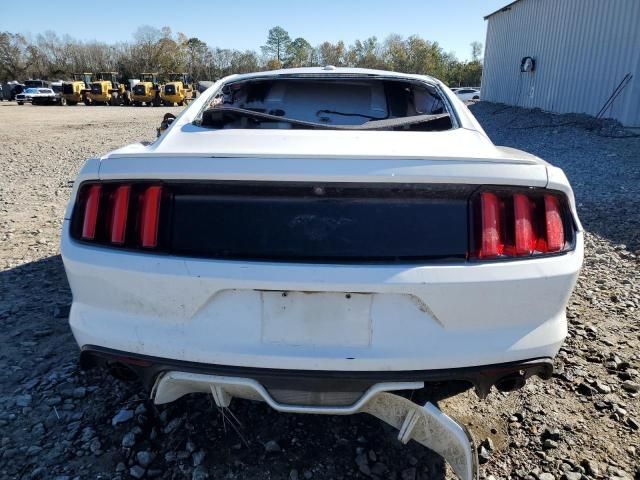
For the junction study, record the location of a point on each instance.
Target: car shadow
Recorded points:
(34, 300)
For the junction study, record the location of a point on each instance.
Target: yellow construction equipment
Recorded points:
(179, 89)
(78, 89)
(147, 91)
(106, 90)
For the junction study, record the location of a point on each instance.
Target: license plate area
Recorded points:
(316, 318)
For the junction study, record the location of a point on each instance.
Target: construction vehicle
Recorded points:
(147, 91)
(179, 89)
(106, 90)
(78, 89)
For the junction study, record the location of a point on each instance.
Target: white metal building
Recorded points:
(580, 56)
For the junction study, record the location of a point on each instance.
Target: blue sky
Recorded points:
(243, 24)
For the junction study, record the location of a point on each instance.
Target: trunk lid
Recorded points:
(456, 156)
(457, 144)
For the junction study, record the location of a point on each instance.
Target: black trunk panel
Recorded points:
(319, 222)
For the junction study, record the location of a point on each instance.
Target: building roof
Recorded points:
(503, 9)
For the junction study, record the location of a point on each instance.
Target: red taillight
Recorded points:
(119, 214)
(518, 224)
(107, 214)
(149, 216)
(525, 239)
(553, 223)
(92, 205)
(491, 237)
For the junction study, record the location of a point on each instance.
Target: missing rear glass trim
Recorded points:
(337, 102)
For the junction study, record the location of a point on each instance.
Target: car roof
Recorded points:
(330, 70)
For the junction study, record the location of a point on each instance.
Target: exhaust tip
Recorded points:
(510, 383)
(122, 372)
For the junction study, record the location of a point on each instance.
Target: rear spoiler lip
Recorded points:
(322, 169)
(268, 156)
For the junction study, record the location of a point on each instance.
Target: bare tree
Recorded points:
(14, 56)
(476, 51)
(332, 54)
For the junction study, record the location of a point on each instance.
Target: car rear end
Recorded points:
(319, 265)
(412, 280)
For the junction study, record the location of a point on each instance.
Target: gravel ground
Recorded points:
(59, 422)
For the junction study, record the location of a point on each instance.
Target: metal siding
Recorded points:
(582, 48)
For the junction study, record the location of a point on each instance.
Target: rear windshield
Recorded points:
(335, 103)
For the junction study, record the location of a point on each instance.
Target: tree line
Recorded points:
(50, 56)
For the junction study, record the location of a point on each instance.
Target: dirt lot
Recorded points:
(58, 422)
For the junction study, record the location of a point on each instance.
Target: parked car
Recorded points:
(26, 95)
(39, 96)
(466, 94)
(318, 238)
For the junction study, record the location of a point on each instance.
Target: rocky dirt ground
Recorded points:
(59, 422)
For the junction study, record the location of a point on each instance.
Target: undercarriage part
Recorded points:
(121, 371)
(426, 424)
(430, 427)
(172, 385)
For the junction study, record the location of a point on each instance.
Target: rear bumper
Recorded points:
(414, 317)
(505, 376)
